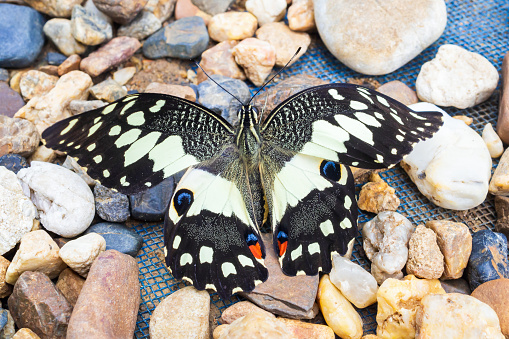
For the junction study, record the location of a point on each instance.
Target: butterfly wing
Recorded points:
(211, 235)
(349, 124)
(139, 140)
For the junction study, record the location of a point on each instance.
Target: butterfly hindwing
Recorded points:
(141, 139)
(349, 124)
(210, 236)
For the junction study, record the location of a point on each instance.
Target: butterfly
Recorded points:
(290, 172)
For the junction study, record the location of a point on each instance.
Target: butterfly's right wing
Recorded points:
(141, 139)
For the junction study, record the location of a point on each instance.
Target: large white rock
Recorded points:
(456, 77)
(64, 200)
(453, 168)
(377, 37)
(17, 213)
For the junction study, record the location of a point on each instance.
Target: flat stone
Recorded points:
(35, 303)
(21, 36)
(488, 260)
(267, 11)
(72, 63)
(17, 136)
(184, 92)
(186, 38)
(183, 314)
(301, 16)
(115, 52)
(5, 289)
(291, 297)
(10, 99)
(502, 208)
(232, 26)
(219, 60)
(456, 77)
(499, 183)
(399, 91)
(118, 237)
(88, 28)
(495, 293)
(80, 253)
(59, 31)
(456, 286)
(239, 310)
(121, 12)
(256, 57)
(381, 37)
(424, 257)
(377, 196)
(213, 7)
(36, 83)
(503, 106)
(61, 8)
(144, 25)
(64, 201)
(108, 90)
(452, 168)
(111, 292)
(70, 284)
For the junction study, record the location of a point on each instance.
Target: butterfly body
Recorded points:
(291, 172)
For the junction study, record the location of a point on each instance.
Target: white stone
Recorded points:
(499, 184)
(123, 75)
(356, 284)
(456, 77)
(267, 10)
(17, 213)
(79, 254)
(377, 37)
(64, 201)
(492, 140)
(60, 32)
(385, 241)
(452, 168)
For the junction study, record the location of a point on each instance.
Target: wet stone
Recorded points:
(151, 204)
(13, 162)
(111, 205)
(55, 59)
(10, 99)
(118, 237)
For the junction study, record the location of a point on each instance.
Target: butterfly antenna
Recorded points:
(263, 109)
(224, 89)
(275, 75)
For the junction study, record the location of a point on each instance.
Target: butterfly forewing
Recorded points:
(136, 142)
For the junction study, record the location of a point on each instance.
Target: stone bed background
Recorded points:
(479, 26)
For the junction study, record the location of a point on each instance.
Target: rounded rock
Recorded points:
(267, 11)
(145, 24)
(399, 91)
(79, 254)
(36, 83)
(255, 325)
(18, 136)
(495, 293)
(232, 26)
(301, 16)
(256, 57)
(118, 237)
(88, 28)
(60, 32)
(213, 7)
(108, 90)
(54, 8)
(424, 257)
(111, 205)
(492, 140)
(219, 60)
(121, 12)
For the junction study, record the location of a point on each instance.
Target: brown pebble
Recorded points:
(5, 288)
(502, 208)
(240, 309)
(399, 91)
(503, 106)
(424, 257)
(495, 293)
(185, 8)
(72, 63)
(120, 11)
(219, 60)
(70, 284)
(10, 99)
(377, 196)
(49, 69)
(184, 92)
(25, 333)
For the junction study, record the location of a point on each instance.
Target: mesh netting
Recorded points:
(478, 26)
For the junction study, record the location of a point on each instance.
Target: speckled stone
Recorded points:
(13, 162)
(424, 257)
(108, 90)
(150, 205)
(88, 28)
(118, 237)
(59, 31)
(8, 329)
(145, 24)
(111, 205)
(213, 6)
(17, 136)
(36, 83)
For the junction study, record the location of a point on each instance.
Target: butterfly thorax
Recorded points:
(248, 138)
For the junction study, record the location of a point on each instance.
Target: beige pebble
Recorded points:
(301, 16)
(493, 141)
(256, 57)
(232, 26)
(465, 119)
(184, 92)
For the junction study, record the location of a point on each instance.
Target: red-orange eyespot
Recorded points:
(282, 247)
(256, 250)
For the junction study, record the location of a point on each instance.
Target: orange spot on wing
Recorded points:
(282, 247)
(256, 250)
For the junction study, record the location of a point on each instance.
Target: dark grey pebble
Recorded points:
(111, 205)
(151, 204)
(13, 162)
(118, 237)
(55, 59)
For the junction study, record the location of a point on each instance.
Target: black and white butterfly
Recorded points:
(295, 166)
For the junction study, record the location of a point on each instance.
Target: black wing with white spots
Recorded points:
(349, 124)
(141, 139)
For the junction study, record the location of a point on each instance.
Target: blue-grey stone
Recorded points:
(55, 59)
(21, 36)
(3, 318)
(4, 74)
(214, 97)
(111, 205)
(488, 260)
(213, 7)
(151, 204)
(456, 286)
(186, 38)
(132, 91)
(118, 237)
(13, 162)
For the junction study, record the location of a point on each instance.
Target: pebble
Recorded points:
(162, 9)
(79, 254)
(456, 286)
(337, 311)
(492, 141)
(80, 106)
(59, 31)
(213, 7)
(159, 70)
(456, 77)
(455, 243)
(232, 26)
(185, 8)
(377, 196)
(354, 282)
(118, 237)
(123, 75)
(285, 41)
(150, 205)
(452, 169)
(503, 106)
(301, 16)
(267, 11)
(239, 310)
(37, 252)
(88, 28)
(495, 293)
(456, 315)
(385, 240)
(4, 75)
(17, 136)
(36, 83)
(488, 260)
(145, 24)
(219, 60)
(111, 292)
(35, 303)
(424, 257)
(121, 12)
(186, 38)
(465, 119)
(115, 52)
(55, 59)
(21, 35)
(61, 8)
(183, 314)
(108, 90)
(5, 288)
(216, 99)
(184, 92)
(398, 303)
(18, 212)
(13, 162)
(399, 91)
(25, 333)
(7, 332)
(381, 37)
(256, 57)
(70, 284)
(45, 110)
(499, 184)
(111, 205)
(502, 208)
(253, 325)
(304, 330)
(64, 201)
(72, 63)
(42, 153)
(91, 8)
(49, 69)
(10, 99)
